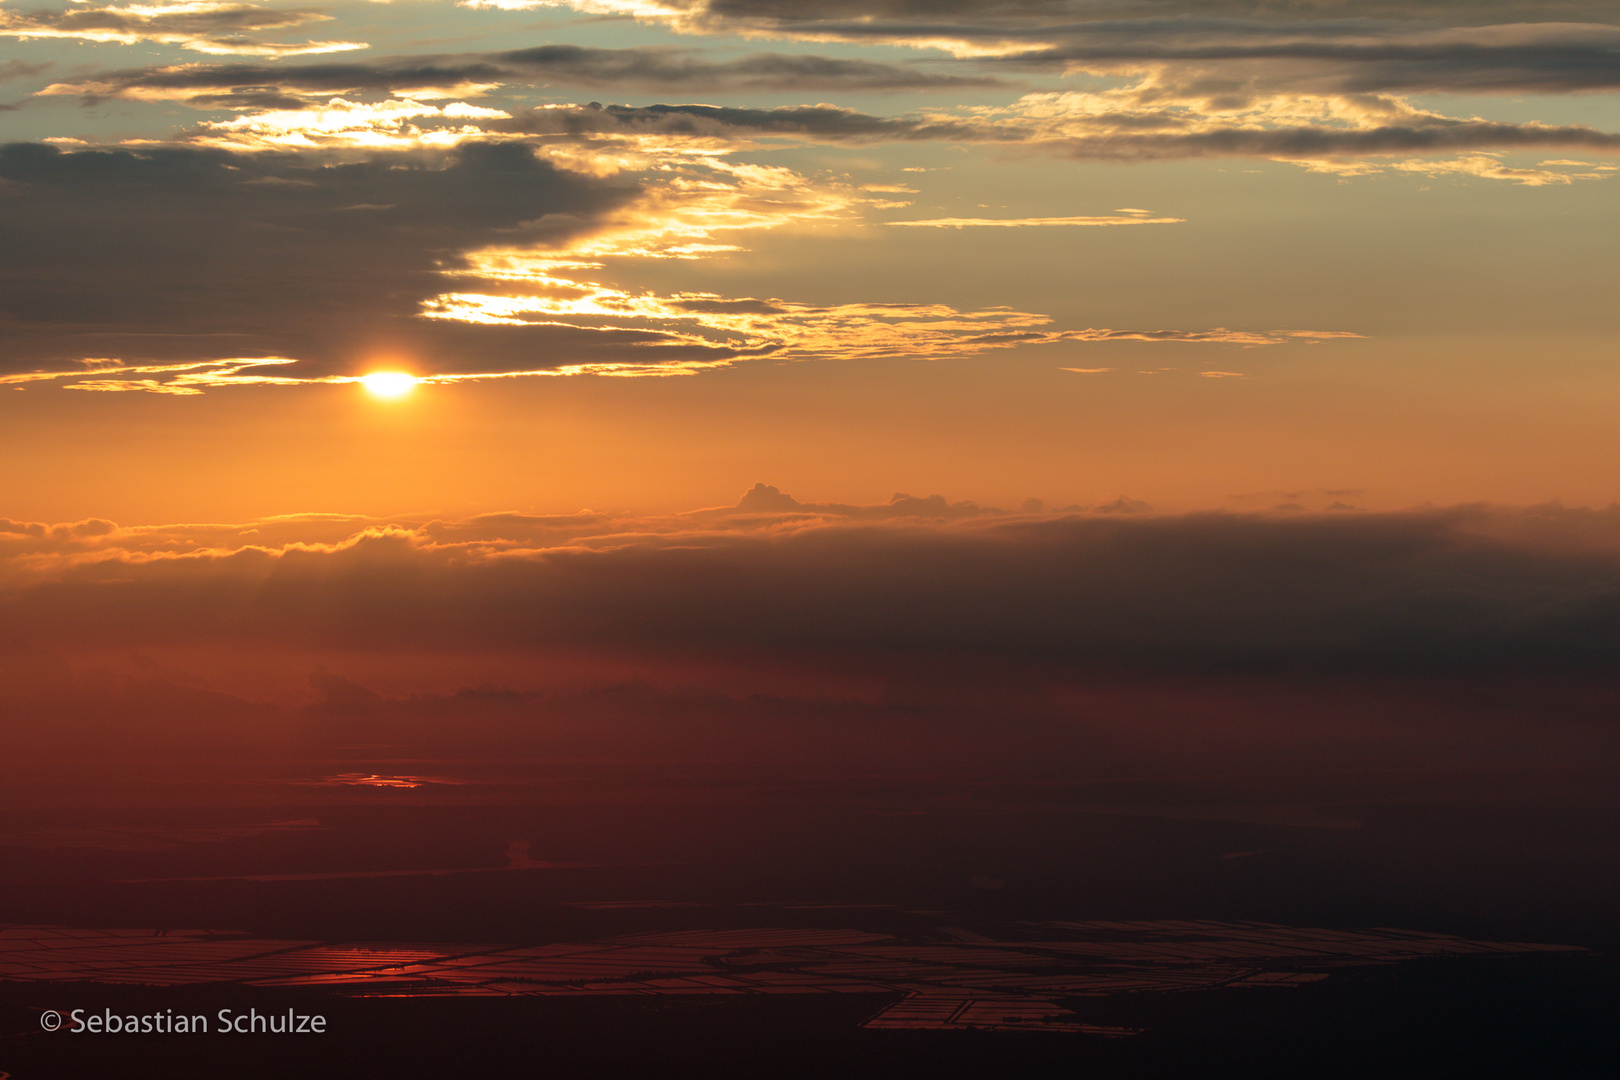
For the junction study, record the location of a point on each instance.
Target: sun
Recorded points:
(389, 384)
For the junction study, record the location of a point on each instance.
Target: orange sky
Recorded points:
(1234, 259)
(1064, 342)
(1456, 422)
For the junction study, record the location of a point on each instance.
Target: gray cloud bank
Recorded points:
(1350, 57)
(1469, 589)
(1330, 46)
(1422, 134)
(1220, 58)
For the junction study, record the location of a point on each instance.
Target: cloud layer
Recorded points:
(1467, 589)
(216, 267)
(321, 214)
(914, 638)
(1320, 47)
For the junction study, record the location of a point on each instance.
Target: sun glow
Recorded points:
(389, 384)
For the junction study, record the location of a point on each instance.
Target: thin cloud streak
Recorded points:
(1016, 223)
(1103, 127)
(702, 15)
(647, 68)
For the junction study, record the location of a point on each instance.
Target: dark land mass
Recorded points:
(1540, 1017)
(921, 864)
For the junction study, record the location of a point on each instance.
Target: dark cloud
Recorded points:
(881, 640)
(1422, 135)
(1309, 142)
(1362, 54)
(1338, 57)
(1460, 590)
(260, 265)
(1343, 46)
(172, 254)
(265, 86)
(792, 12)
(18, 69)
(211, 28)
(658, 68)
(201, 20)
(818, 122)
(1353, 57)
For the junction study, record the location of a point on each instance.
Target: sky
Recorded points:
(432, 364)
